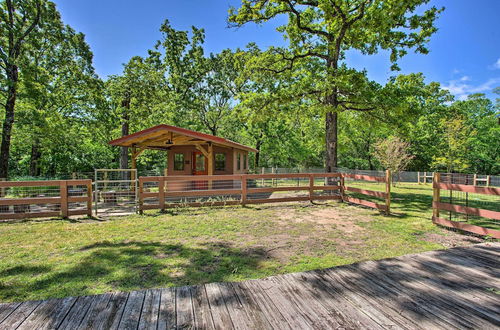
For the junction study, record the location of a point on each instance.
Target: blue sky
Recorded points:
(464, 57)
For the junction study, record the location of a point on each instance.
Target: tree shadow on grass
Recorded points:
(131, 265)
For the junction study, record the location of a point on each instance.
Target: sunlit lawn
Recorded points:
(58, 258)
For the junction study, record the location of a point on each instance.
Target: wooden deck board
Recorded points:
(459, 303)
(184, 308)
(150, 310)
(201, 308)
(336, 305)
(455, 288)
(166, 314)
(132, 310)
(110, 316)
(21, 313)
(49, 315)
(77, 312)
(218, 308)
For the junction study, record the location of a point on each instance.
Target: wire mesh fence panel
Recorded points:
(398, 177)
(178, 191)
(462, 203)
(115, 191)
(33, 199)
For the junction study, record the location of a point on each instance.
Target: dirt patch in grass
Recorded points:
(452, 239)
(329, 217)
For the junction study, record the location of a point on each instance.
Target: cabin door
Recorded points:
(200, 167)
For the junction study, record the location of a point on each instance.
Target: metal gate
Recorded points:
(115, 191)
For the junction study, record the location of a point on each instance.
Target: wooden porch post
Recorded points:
(210, 163)
(165, 173)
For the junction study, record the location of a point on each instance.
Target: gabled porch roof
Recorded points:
(162, 137)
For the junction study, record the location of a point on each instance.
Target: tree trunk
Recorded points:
(125, 131)
(331, 140)
(370, 163)
(257, 154)
(213, 130)
(35, 158)
(10, 104)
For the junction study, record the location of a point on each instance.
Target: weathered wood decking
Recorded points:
(448, 289)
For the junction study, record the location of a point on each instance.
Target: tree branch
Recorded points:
(294, 11)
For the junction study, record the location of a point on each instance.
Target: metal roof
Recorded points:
(164, 136)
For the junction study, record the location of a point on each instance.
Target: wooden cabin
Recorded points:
(189, 152)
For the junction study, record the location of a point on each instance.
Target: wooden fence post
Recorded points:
(487, 181)
(89, 198)
(475, 179)
(63, 191)
(388, 180)
(262, 171)
(311, 186)
(141, 196)
(161, 193)
(418, 177)
(342, 186)
(243, 190)
(273, 171)
(436, 195)
(2, 189)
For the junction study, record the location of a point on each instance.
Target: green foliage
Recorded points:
(392, 153)
(454, 145)
(320, 33)
(275, 100)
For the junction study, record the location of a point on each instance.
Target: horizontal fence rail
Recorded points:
(384, 195)
(162, 192)
(453, 206)
(38, 199)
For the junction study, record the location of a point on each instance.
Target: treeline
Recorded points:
(294, 105)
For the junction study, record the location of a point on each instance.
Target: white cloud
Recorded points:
(497, 64)
(462, 89)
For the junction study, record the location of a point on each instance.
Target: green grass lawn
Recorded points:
(58, 258)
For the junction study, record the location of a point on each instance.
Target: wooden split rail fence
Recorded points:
(243, 188)
(38, 199)
(438, 206)
(64, 198)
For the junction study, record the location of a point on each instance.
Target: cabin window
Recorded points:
(179, 162)
(238, 161)
(244, 162)
(220, 162)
